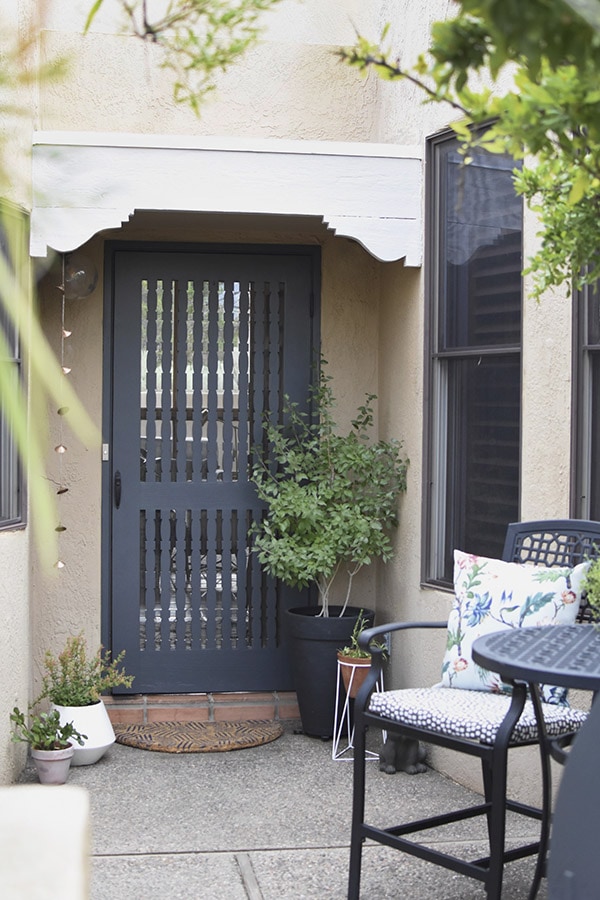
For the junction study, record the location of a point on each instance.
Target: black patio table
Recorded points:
(567, 656)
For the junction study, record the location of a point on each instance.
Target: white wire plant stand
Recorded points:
(343, 726)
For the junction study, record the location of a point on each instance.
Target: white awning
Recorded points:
(86, 182)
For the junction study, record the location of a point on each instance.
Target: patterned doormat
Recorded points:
(197, 737)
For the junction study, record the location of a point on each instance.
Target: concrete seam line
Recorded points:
(248, 877)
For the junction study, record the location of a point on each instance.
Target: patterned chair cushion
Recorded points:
(493, 595)
(470, 714)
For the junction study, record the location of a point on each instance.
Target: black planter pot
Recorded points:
(313, 643)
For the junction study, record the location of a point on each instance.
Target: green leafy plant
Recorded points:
(542, 59)
(200, 38)
(332, 498)
(591, 588)
(75, 678)
(44, 731)
(354, 650)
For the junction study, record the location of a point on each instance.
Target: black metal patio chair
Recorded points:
(483, 724)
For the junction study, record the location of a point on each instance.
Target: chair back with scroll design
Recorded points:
(554, 542)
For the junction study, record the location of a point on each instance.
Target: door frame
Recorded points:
(311, 251)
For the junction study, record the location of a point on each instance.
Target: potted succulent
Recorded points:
(74, 681)
(332, 502)
(354, 661)
(50, 741)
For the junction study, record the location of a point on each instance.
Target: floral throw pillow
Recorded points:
(493, 595)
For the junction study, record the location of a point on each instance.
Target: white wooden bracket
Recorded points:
(85, 183)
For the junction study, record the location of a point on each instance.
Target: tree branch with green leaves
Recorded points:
(549, 117)
(199, 37)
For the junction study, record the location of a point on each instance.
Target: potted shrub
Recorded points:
(50, 741)
(591, 588)
(73, 681)
(332, 501)
(354, 661)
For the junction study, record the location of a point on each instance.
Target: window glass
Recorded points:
(475, 261)
(482, 454)
(480, 251)
(593, 510)
(587, 456)
(11, 482)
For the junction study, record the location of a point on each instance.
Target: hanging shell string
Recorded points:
(60, 448)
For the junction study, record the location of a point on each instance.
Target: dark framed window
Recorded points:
(587, 402)
(474, 290)
(13, 229)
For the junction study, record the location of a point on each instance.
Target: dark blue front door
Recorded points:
(204, 342)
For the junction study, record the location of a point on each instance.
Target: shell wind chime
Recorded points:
(79, 278)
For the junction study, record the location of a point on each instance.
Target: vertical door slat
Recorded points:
(179, 380)
(150, 401)
(243, 385)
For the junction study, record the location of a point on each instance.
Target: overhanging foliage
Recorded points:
(549, 117)
(199, 37)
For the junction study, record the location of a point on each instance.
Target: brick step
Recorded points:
(226, 707)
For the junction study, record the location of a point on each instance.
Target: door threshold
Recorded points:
(140, 709)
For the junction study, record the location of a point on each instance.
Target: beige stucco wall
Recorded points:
(547, 386)
(67, 601)
(373, 314)
(15, 649)
(546, 409)
(545, 470)
(290, 85)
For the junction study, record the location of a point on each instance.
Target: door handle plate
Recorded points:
(117, 489)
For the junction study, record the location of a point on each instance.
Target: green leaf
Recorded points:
(91, 15)
(579, 188)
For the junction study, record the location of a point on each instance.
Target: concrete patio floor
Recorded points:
(267, 823)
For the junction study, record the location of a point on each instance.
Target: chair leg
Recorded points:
(486, 774)
(497, 774)
(358, 809)
(544, 749)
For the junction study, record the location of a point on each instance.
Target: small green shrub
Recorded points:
(44, 731)
(75, 679)
(332, 498)
(354, 650)
(591, 587)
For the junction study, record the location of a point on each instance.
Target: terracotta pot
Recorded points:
(354, 672)
(52, 765)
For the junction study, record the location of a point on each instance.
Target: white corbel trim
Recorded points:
(85, 183)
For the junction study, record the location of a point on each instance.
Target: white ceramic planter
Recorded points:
(94, 722)
(52, 765)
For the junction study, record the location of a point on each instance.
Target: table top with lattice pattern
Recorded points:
(564, 655)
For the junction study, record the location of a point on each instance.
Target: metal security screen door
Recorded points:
(203, 344)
